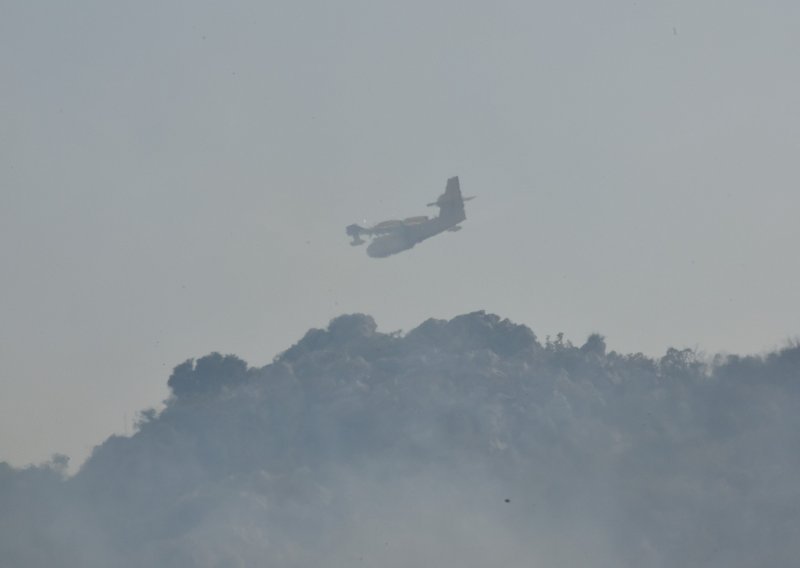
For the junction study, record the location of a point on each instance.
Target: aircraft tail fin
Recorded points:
(453, 188)
(452, 194)
(451, 202)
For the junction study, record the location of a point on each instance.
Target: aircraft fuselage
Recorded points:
(391, 237)
(405, 237)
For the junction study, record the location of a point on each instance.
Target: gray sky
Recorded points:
(175, 178)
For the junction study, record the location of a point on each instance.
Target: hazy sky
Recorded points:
(175, 178)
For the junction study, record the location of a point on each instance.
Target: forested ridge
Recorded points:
(464, 442)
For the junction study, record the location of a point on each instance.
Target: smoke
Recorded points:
(465, 442)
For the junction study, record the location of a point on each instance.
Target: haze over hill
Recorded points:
(468, 442)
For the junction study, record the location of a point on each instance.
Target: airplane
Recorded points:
(391, 237)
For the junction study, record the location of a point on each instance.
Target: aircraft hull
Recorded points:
(388, 245)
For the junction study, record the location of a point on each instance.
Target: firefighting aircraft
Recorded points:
(391, 237)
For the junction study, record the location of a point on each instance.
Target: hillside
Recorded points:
(467, 442)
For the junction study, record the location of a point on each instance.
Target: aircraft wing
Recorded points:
(384, 228)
